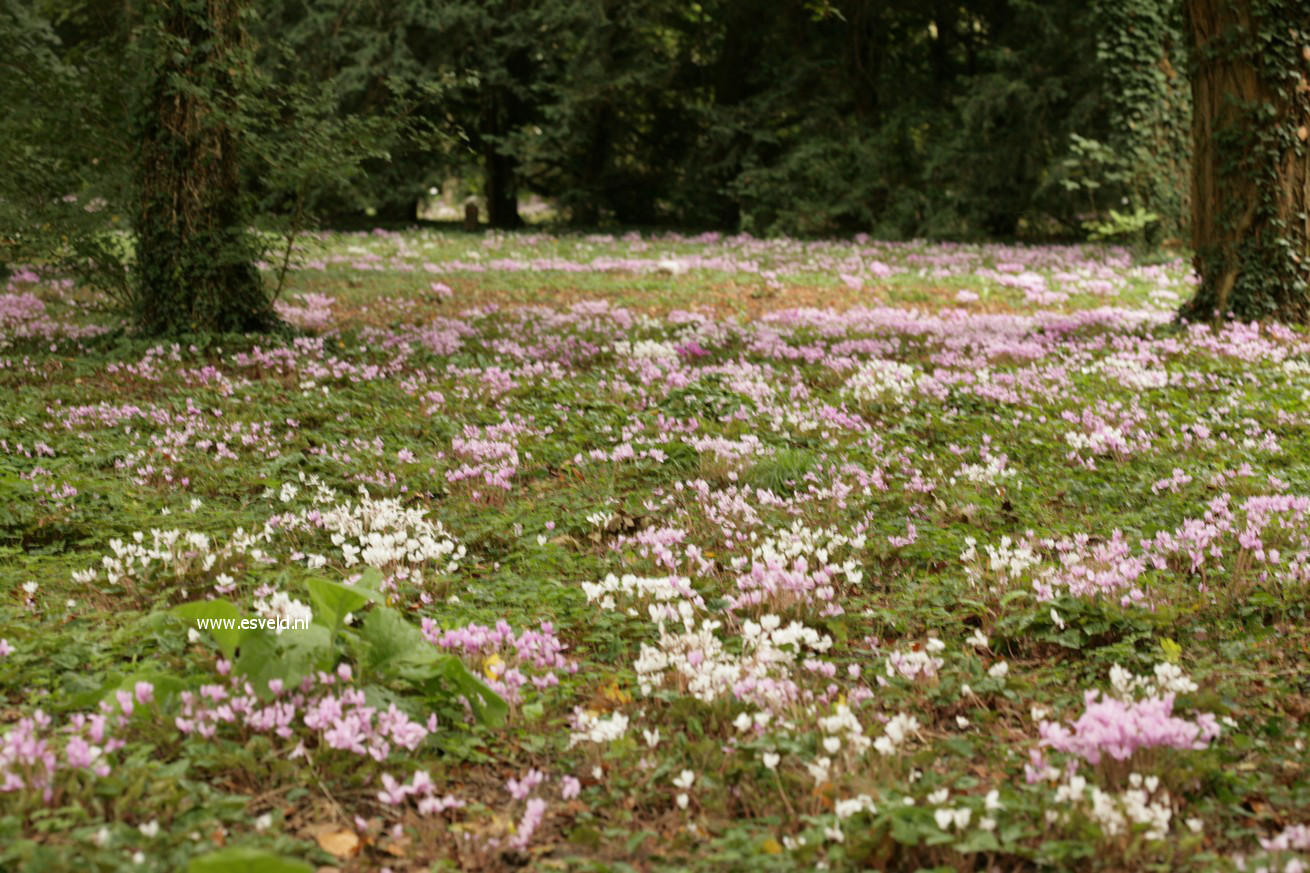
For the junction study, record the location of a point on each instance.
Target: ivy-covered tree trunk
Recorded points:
(1251, 161)
(195, 254)
(1139, 45)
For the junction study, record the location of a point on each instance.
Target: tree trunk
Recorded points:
(1251, 163)
(195, 255)
(502, 199)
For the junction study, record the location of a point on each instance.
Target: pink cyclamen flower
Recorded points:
(1113, 727)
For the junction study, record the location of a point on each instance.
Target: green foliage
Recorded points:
(212, 611)
(63, 145)
(141, 151)
(884, 116)
(241, 859)
(892, 117)
(1238, 635)
(387, 647)
(396, 649)
(1121, 226)
(334, 601)
(1139, 47)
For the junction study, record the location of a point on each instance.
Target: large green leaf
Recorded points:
(289, 656)
(487, 705)
(228, 638)
(241, 859)
(333, 600)
(398, 650)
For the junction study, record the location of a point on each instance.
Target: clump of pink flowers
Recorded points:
(421, 786)
(1119, 728)
(506, 655)
(34, 753)
(337, 715)
(311, 311)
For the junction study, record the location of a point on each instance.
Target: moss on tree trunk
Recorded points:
(195, 255)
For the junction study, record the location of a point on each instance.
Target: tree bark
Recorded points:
(195, 256)
(502, 198)
(1251, 164)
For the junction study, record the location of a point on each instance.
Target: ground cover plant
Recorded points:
(661, 552)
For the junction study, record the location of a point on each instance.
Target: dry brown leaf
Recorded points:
(341, 842)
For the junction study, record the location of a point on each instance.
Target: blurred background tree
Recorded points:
(958, 119)
(892, 117)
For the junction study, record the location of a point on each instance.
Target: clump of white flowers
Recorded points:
(1142, 803)
(589, 727)
(1130, 372)
(178, 557)
(795, 565)
(650, 350)
(854, 805)
(399, 541)
(695, 661)
(895, 733)
(994, 470)
(821, 544)
(917, 662)
(661, 593)
(1006, 562)
(1167, 679)
(284, 611)
(882, 381)
(843, 733)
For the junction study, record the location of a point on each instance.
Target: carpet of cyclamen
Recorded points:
(891, 556)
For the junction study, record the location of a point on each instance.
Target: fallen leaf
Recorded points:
(344, 843)
(613, 693)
